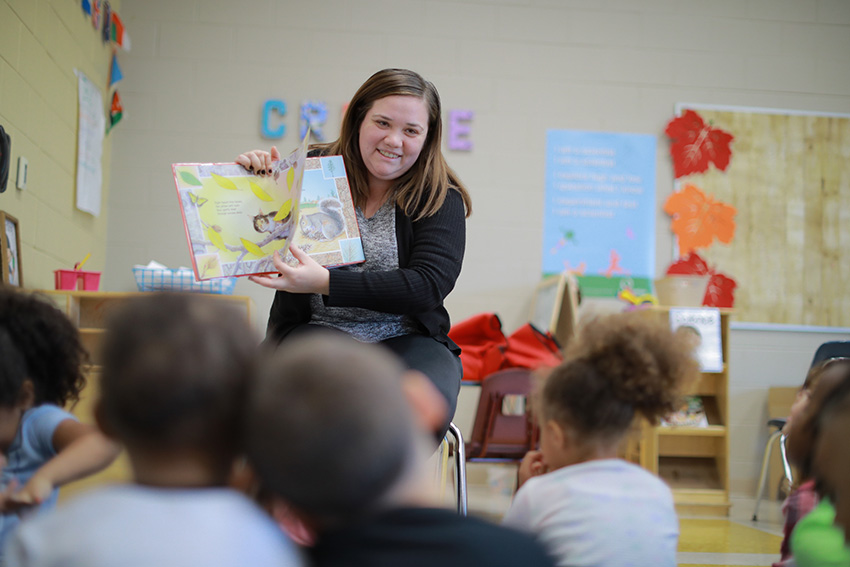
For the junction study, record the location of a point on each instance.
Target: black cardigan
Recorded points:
(430, 254)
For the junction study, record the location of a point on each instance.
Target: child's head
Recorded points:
(805, 393)
(329, 428)
(176, 371)
(618, 366)
(802, 430)
(831, 459)
(40, 351)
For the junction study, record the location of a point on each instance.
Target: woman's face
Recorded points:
(392, 136)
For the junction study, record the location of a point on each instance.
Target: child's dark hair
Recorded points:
(38, 343)
(176, 370)
(616, 367)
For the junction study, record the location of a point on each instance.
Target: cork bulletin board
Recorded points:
(789, 179)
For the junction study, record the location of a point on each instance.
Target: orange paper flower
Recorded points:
(698, 219)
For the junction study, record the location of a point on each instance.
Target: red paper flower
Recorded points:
(721, 288)
(698, 219)
(696, 143)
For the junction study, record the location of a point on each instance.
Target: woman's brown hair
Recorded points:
(421, 191)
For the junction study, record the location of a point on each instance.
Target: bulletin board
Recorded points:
(790, 183)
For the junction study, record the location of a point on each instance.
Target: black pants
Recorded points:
(424, 354)
(435, 361)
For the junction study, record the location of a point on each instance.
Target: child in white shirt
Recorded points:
(589, 507)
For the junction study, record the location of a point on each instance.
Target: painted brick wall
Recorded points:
(42, 42)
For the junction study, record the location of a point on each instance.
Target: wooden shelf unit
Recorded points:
(694, 461)
(89, 312)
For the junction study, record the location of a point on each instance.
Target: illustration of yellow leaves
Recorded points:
(290, 177)
(252, 248)
(284, 211)
(216, 239)
(190, 179)
(258, 191)
(224, 182)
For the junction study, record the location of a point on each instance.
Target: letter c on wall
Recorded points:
(280, 107)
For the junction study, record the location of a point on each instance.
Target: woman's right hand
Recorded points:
(259, 161)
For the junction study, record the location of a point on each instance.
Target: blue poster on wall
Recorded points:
(599, 219)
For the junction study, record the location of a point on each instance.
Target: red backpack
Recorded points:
(485, 349)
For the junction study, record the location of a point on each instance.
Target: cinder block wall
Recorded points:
(201, 69)
(42, 42)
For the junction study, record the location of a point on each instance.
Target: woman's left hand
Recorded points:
(307, 277)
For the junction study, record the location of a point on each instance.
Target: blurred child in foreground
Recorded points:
(803, 497)
(176, 373)
(588, 506)
(339, 433)
(816, 541)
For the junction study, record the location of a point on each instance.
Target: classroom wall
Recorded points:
(200, 70)
(42, 42)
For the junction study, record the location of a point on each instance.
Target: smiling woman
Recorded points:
(411, 208)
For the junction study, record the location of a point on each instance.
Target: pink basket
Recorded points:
(77, 280)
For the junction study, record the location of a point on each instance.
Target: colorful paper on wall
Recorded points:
(115, 73)
(698, 219)
(106, 28)
(116, 111)
(695, 144)
(119, 33)
(95, 14)
(87, 7)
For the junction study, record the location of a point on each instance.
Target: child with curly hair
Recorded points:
(588, 506)
(176, 372)
(44, 446)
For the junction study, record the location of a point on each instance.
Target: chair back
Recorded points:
(831, 349)
(503, 427)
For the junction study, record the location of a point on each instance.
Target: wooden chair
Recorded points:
(504, 429)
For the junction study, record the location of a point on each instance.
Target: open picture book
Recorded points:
(235, 221)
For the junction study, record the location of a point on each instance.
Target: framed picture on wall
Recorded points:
(10, 250)
(555, 306)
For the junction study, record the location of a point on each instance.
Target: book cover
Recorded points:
(235, 221)
(704, 324)
(691, 414)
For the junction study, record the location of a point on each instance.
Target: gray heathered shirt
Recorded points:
(381, 251)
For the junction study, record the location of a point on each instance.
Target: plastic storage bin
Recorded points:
(77, 280)
(148, 279)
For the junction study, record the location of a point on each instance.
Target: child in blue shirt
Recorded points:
(176, 371)
(44, 446)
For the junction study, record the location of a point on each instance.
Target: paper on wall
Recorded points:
(90, 134)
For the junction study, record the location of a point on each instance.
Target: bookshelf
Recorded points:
(89, 311)
(694, 461)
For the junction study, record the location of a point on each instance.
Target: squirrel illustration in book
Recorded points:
(326, 224)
